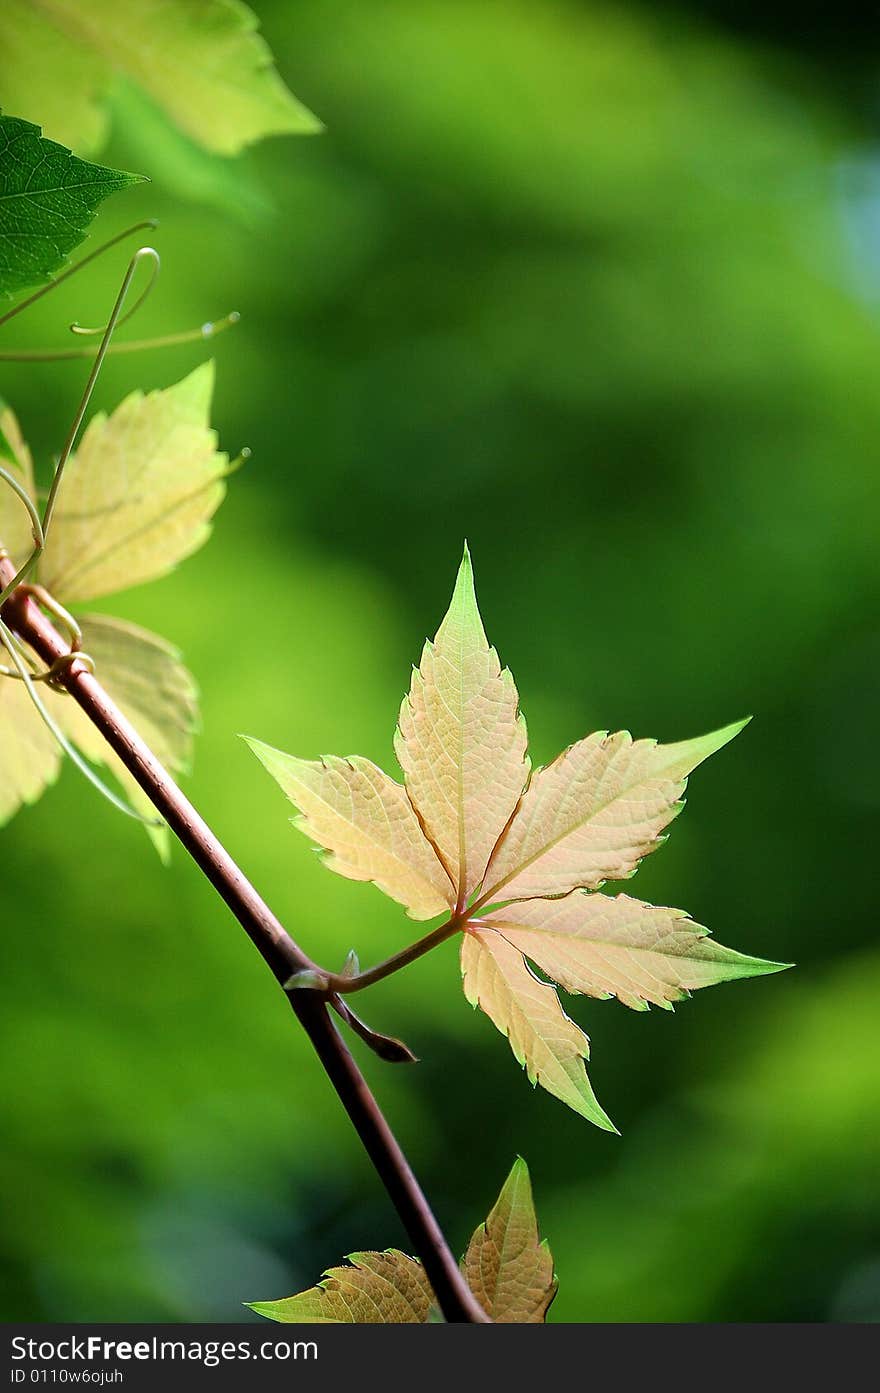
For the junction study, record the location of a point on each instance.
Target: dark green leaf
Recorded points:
(48, 198)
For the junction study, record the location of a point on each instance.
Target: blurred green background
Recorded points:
(598, 287)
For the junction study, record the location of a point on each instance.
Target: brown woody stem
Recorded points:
(277, 948)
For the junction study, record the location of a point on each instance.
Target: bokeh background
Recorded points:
(598, 287)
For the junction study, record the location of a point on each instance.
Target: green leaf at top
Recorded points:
(204, 63)
(48, 198)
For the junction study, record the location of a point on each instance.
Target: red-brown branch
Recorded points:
(269, 936)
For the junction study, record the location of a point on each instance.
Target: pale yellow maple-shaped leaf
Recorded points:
(512, 849)
(139, 494)
(365, 823)
(375, 1289)
(204, 64)
(146, 678)
(593, 813)
(16, 534)
(507, 1267)
(608, 946)
(550, 1047)
(461, 741)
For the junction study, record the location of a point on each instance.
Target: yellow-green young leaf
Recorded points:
(507, 1267)
(139, 493)
(144, 675)
(204, 64)
(29, 756)
(15, 526)
(593, 813)
(365, 823)
(550, 1047)
(137, 498)
(377, 1289)
(461, 741)
(604, 946)
(47, 78)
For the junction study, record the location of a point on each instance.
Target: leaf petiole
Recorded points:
(343, 985)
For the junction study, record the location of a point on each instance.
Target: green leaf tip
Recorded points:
(259, 747)
(599, 1117)
(682, 757)
(740, 965)
(589, 1107)
(197, 388)
(723, 736)
(48, 198)
(464, 580)
(463, 614)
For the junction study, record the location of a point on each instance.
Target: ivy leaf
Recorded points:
(461, 741)
(375, 1289)
(603, 946)
(48, 198)
(205, 65)
(136, 499)
(549, 1046)
(507, 1267)
(523, 861)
